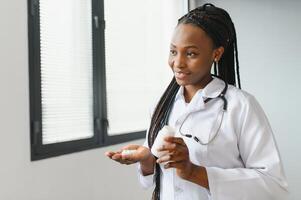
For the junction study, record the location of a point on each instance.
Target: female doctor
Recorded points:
(224, 148)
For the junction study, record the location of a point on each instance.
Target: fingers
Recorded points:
(172, 144)
(176, 140)
(176, 149)
(168, 147)
(109, 154)
(124, 159)
(171, 158)
(177, 165)
(117, 156)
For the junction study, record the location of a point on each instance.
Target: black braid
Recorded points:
(159, 119)
(217, 23)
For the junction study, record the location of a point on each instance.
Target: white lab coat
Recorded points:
(242, 162)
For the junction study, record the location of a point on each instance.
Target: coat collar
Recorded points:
(211, 90)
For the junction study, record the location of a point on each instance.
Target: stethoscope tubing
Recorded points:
(221, 116)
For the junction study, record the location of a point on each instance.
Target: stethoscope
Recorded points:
(219, 119)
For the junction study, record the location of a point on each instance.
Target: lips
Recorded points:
(181, 74)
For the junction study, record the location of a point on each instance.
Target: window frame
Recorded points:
(100, 137)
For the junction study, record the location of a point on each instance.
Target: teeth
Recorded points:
(180, 73)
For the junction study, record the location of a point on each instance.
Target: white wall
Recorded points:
(87, 175)
(269, 47)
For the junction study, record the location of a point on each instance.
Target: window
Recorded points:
(137, 41)
(91, 66)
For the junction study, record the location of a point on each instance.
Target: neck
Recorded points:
(190, 90)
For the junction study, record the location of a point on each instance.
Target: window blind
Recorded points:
(137, 39)
(66, 70)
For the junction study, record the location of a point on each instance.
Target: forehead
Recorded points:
(188, 34)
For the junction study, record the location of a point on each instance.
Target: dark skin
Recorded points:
(142, 155)
(192, 54)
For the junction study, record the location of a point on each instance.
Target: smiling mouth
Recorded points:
(181, 75)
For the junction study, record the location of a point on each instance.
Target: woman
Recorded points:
(224, 147)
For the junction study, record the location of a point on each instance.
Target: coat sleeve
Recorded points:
(263, 176)
(146, 181)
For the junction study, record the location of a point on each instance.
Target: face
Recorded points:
(192, 54)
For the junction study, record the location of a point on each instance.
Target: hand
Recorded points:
(142, 153)
(177, 156)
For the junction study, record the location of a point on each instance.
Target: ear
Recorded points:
(217, 53)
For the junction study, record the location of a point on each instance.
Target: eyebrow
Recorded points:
(190, 46)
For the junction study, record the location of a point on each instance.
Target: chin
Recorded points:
(182, 82)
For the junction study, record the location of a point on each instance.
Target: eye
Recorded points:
(173, 52)
(191, 54)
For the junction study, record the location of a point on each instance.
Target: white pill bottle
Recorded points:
(159, 141)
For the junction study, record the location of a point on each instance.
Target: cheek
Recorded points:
(199, 69)
(197, 65)
(201, 64)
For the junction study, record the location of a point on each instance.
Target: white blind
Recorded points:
(137, 41)
(66, 70)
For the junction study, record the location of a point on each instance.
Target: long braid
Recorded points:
(217, 23)
(158, 120)
(161, 111)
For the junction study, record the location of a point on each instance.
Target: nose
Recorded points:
(178, 61)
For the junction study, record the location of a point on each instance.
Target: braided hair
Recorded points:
(217, 23)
